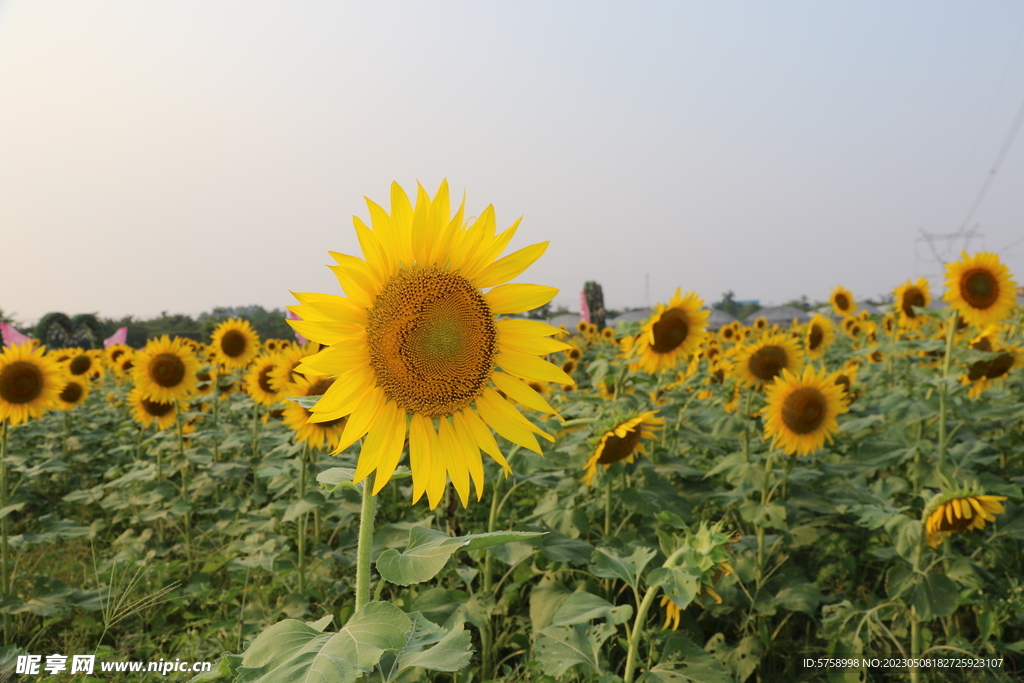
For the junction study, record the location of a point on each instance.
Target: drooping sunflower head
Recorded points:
(418, 349)
(73, 394)
(910, 295)
(672, 334)
(166, 369)
(961, 509)
(842, 301)
(761, 361)
(980, 288)
(801, 410)
(235, 343)
(149, 411)
(983, 374)
(257, 380)
(30, 382)
(818, 336)
(622, 442)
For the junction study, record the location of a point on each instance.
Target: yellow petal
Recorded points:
(361, 419)
(516, 298)
(352, 390)
(965, 509)
(534, 346)
(337, 359)
(394, 251)
(503, 407)
(526, 328)
(484, 439)
(377, 441)
(391, 452)
(329, 307)
(458, 468)
(401, 216)
(490, 252)
(421, 458)
(322, 332)
(531, 367)
(949, 512)
(511, 266)
(373, 251)
(518, 390)
(421, 240)
(438, 471)
(470, 452)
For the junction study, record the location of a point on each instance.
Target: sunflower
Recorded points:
(583, 327)
(728, 332)
(622, 442)
(608, 333)
(288, 360)
(909, 295)
(235, 343)
(206, 380)
(73, 394)
(959, 510)
(126, 364)
(257, 380)
(316, 434)
(760, 323)
(115, 351)
(801, 411)
(842, 301)
(81, 364)
(574, 353)
(980, 288)
(845, 379)
(30, 383)
(415, 344)
(818, 336)
(166, 369)
(984, 373)
(147, 411)
(761, 361)
(672, 334)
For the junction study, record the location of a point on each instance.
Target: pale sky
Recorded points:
(184, 155)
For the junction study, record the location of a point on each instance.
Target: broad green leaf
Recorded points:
(583, 607)
(4, 511)
(451, 651)
(439, 605)
(306, 402)
(545, 599)
(292, 651)
(935, 595)
(680, 586)
(338, 477)
(559, 648)
(800, 597)
(429, 550)
(682, 661)
(608, 565)
(741, 660)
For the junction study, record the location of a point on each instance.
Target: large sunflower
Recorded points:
(909, 295)
(673, 333)
(415, 344)
(762, 360)
(801, 411)
(842, 301)
(980, 288)
(30, 383)
(622, 442)
(235, 343)
(960, 510)
(166, 370)
(818, 336)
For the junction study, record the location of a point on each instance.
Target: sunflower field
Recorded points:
(662, 502)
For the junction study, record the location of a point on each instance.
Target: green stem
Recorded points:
(365, 544)
(942, 390)
(302, 521)
(607, 506)
(487, 632)
(65, 432)
(5, 559)
(256, 430)
(746, 426)
(187, 517)
(216, 424)
(638, 624)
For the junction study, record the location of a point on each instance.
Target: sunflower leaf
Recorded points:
(306, 402)
(428, 551)
(608, 565)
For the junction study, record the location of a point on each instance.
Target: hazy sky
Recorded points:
(183, 155)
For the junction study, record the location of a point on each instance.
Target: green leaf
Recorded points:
(4, 511)
(583, 607)
(451, 651)
(559, 648)
(680, 586)
(801, 597)
(338, 477)
(742, 660)
(429, 550)
(306, 402)
(935, 595)
(291, 650)
(682, 661)
(545, 599)
(608, 565)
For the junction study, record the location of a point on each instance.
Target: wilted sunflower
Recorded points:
(818, 336)
(980, 288)
(959, 510)
(415, 344)
(257, 380)
(166, 369)
(316, 434)
(29, 383)
(622, 442)
(762, 360)
(235, 343)
(672, 334)
(801, 411)
(73, 394)
(842, 301)
(147, 411)
(909, 295)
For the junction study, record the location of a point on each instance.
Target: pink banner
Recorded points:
(584, 308)
(298, 337)
(119, 337)
(12, 337)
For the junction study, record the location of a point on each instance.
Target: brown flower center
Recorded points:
(767, 362)
(842, 302)
(234, 343)
(167, 370)
(156, 408)
(71, 393)
(263, 379)
(618, 448)
(912, 297)
(80, 365)
(999, 366)
(815, 337)
(803, 411)
(670, 331)
(432, 341)
(21, 382)
(979, 288)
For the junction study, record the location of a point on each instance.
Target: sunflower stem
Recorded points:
(186, 517)
(634, 639)
(365, 544)
(216, 423)
(746, 426)
(302, 520)
(5, 559)
(255, 430)
(64, 433)
(607, 506)
(943, 445)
